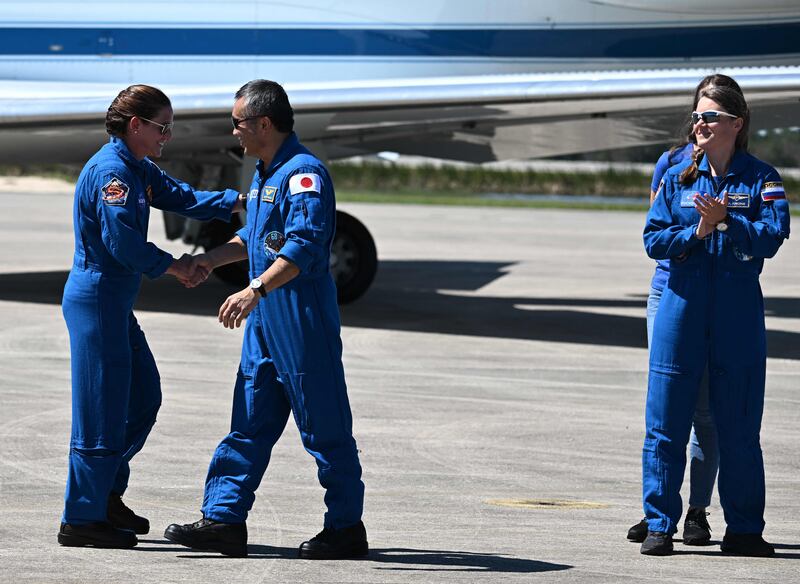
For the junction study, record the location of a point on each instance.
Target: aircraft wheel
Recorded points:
(354, 260)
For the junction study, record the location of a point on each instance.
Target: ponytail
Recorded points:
(689, 174)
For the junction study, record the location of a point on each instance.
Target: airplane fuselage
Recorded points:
(190, 41)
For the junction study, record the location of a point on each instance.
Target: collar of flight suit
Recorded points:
(737, 165)
(119, 145)
(289, 146)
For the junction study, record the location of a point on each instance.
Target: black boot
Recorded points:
(746, 544)
(638, 532)
(99, 534)
(336, 544)
(120, 516)
(657, 543)
(696, 530)
(229, 539)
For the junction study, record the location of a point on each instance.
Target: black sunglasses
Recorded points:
(167, 127)
(237, 121)
(710, 116)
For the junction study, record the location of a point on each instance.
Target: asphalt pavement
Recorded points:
(497, 373)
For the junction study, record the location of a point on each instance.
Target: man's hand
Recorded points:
(237, 306)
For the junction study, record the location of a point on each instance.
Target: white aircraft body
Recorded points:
(467, 79)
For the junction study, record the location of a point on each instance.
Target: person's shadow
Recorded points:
(388, 558)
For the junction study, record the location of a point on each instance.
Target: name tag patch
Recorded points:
(687, 198)
(738, 200)
(268, 194)
(115, 192)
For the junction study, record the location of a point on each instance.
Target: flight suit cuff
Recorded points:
(736, 230)
(225, 209)
(297, 254)
(161, 266)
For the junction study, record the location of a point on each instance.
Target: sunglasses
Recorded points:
(167, 127)
(238, 121)
(710, 116)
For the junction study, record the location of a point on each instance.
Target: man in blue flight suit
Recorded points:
(716, 232)
(116, 389)
(291, 353)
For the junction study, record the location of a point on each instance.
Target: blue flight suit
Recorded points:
(711, 313)
(116, 389)
(292, 352)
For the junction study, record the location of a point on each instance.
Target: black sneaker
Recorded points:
(746, 544)
(657, 543)
(696, 530)
(229, 539)
(638, 532)
(120, 516)
(99, 534)
(337, 544)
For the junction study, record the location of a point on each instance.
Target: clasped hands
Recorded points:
(712, 211)
(191, 270)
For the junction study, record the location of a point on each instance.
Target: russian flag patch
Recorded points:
(773, 191)
(304, 183)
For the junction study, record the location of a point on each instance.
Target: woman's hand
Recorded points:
(703, 228)
(711, 209)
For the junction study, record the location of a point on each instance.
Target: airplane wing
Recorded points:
(475, 119)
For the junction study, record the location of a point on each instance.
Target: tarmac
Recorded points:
(497, 374)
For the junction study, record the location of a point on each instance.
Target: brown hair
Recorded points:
(726, 92)
(142, 101)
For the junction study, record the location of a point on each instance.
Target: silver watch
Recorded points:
(723, 225)
(258, 286)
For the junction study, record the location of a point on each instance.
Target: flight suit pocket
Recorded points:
(293, 383)
(245, 403)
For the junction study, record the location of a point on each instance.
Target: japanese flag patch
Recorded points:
(115, 192)
(773, 191)
(304, 183)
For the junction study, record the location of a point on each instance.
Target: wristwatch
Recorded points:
(258, 286)
(723, 225)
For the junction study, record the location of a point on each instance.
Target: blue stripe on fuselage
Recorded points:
(614, 43)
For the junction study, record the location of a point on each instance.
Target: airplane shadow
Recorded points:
(390, 558)
(408, 296)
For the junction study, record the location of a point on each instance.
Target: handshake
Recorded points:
(191, 270)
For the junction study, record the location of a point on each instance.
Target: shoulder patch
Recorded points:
(303, 183)
(115, 192)
(773, 191)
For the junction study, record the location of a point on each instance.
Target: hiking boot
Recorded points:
(121, 517)
(99, 534)
(638, 532)
(746, 544)
(337, 544)
(229, 539)
(657, 543)
(696, 530)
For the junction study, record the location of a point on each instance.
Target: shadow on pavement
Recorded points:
(429, 296)
(440, 560)
(394, 558)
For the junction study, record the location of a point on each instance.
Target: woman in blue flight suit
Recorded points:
(116, 389)
(703, 449)
(715, 217)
